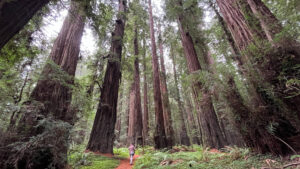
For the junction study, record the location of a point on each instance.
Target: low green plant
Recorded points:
(198, 158)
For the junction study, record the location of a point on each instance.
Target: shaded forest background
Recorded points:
(214, 73)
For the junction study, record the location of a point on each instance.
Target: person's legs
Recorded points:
(131, 158)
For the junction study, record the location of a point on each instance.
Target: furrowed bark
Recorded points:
(50, 101)
(266, 110)
(165, 96)
(160, 139)
(135, 132)
(145, 117)
(210, 129)
(102, 135)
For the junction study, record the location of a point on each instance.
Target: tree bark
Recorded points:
(211, 132)
(56, 94)
(102, 135)
(266, 111)
(160, 139)
(50, 101)
(194, 131)
(135, 133)
(165, 96)
(286, 45)
(14, 15)
(146, 116)
(184, 139)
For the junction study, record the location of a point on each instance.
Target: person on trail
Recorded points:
(131, 149)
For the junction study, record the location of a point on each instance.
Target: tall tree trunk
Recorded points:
(132, 116)
(267, 111)
(211, 132)
(51, 98)
(146, 116)
(194, 131)
(102, 135)
(135, 132)
(14, 15)
(184, 139)
(165, 96)
(230, 133)
(160, 139)
(56, 94)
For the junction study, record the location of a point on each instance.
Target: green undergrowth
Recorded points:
(198, 158)
(78, 159)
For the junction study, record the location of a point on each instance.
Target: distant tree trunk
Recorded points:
(146, 116)
(165, 96)
(211, 132)
(266, 109)
(102, 135)
(160, 139)
(14, 15)
(135, 132)
(230, 133)
(51, 98)
(131, 115)
(192, 121)
(184, 139)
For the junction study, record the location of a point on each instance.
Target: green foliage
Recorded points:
(236, 158)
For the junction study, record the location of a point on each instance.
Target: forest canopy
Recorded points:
(100, 75)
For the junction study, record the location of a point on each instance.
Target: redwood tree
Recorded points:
(210, 129)
(267, 111)
(14, 15)
(135, 130)
(50, 101)
(184, 139)
(102, 135)
(164, 95)
(160, 139)
(145, 106)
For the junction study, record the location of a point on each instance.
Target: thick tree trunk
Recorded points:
(135, 131)
(50, 101)
(165, 96)
(211, 132)
(102, 135)
(14, 15)
(56, 94)
(266, 111)
(160, 139)
(285, 46)
(146, 116)
(184, 139)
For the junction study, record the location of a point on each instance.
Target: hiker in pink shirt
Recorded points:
(131, 149)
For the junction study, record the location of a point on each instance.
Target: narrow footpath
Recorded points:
(124, 164)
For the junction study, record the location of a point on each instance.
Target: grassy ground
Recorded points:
(79, 160)
(194, 157)
(197, 158)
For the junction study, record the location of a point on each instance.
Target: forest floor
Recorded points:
(125, 163)
(182, 157)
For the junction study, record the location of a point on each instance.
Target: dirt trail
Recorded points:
(124, 164)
